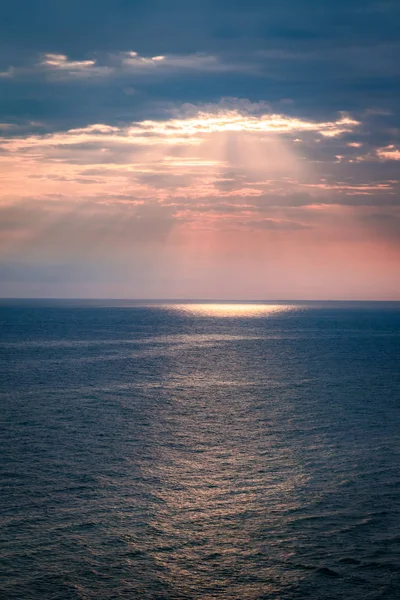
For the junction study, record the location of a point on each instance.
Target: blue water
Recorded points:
(161, 451)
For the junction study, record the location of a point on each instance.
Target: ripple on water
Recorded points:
(165, 452)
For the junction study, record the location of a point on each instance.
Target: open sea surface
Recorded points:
(199, 451)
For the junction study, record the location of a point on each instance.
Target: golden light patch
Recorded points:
(233, 309)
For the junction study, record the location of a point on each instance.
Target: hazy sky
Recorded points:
(200, 149)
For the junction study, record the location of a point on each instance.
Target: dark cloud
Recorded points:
(324, 57)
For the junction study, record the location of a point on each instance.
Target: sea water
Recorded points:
(199, 450)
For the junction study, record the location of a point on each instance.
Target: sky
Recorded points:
(215, 149)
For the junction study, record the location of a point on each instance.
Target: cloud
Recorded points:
(221, 151)
(388, 153)
(121, 65)
(186, 130)
(275, 225)
(152, 194)
(192, 62)
(60, 61)
(232, 150)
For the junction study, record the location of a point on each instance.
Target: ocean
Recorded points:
(172, 451)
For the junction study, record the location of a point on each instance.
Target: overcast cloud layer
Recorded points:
(177, 149)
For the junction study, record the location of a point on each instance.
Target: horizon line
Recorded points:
(191, 300)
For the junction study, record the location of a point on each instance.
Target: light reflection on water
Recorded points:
(216, 483)
(232, 309)
(218, 469)
(206, 458)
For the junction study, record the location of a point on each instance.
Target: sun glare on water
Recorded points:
(233, 309)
